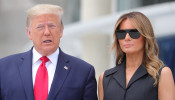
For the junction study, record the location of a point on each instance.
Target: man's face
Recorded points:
(45, 31)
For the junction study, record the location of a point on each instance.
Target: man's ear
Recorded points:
(61, 30)
(29, 33)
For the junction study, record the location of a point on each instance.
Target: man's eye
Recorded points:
(40, 27)
(52, 26)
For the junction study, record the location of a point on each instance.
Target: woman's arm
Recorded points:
(100, 87)
(166, 89)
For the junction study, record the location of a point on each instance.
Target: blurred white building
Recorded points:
(89, 26)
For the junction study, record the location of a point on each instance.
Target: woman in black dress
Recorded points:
(139, 74)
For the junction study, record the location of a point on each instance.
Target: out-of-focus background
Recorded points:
(88, 27)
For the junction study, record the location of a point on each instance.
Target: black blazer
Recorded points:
(140, 86)
(75, 83)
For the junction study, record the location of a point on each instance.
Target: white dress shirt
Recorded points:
(50, 65)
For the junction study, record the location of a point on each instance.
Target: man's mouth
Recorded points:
(47, 41)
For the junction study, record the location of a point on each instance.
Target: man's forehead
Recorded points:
(44, 19)
(47, 22)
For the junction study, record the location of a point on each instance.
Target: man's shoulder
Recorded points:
(13, 57)
(75, 60)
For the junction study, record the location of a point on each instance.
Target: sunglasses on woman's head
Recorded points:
(133, 33)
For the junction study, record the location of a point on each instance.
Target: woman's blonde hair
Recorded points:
(150, 58)
(44, 9)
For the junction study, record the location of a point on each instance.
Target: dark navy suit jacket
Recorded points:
(76, 83)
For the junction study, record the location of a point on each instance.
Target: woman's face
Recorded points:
(128, 44)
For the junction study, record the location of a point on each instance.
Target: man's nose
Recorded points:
(46, 31)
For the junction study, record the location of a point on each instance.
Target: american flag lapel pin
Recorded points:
(65, 67)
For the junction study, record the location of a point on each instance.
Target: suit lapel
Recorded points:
(119, 76)
(141, 71)
(25, 69)
(62, 70)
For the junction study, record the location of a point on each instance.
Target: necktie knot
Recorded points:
(44, 59)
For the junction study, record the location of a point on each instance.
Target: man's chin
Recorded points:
(48, 50)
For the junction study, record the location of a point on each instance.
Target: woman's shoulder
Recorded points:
(112, 70)
(165, 76)
(165, 72)
(108, 72)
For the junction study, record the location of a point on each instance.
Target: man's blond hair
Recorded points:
(44, 9)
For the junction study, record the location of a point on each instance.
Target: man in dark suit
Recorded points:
(45, 72)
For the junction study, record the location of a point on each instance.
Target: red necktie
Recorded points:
(41, 81)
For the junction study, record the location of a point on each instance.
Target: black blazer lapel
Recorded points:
(120, 76)
(141, 71)
(25, 69)
(61, 72)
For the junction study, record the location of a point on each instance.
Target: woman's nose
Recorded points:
(127, 36)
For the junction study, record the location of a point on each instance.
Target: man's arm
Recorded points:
(0, 79)
(90, 92)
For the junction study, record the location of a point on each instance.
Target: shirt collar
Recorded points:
(53, 57)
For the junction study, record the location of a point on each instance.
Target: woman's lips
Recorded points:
(128, 45)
